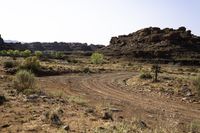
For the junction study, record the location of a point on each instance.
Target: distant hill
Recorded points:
(48, 46)
(154, 43)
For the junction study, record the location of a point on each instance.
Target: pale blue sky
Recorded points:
(92, 21)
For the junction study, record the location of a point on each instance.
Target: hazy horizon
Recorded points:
(92, 21)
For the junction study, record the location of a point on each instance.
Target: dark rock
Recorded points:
(107, 116)
(115, 110)
(1, 40)
(183, 29)
(55, 120)
(5, 125)
(2, 99)
(33, 97)
(89, 110)
(185, 91)
(142, 124)
(66, 127)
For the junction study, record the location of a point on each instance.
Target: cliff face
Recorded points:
(154, 42)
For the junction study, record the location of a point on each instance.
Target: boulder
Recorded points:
(2, 99)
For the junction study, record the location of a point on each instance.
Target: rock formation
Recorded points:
(1, 40)
(153, 42)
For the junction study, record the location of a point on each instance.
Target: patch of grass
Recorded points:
(77, 100)
(9, 64)
(194, 127)
(86, 70)
(196, 83)
(146, 75)
(24, 81)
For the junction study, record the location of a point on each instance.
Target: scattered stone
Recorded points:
(5, 125)
(89, 110)
(66, 127)
(115, 110)
(2, 99)
(55, 120)
(142, 124)
(185, 99)
(107, 116)
(53, 117)
(185, 91)
(33, 97)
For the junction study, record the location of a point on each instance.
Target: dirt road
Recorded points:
(111, 88)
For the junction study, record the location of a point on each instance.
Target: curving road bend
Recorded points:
(99, 87)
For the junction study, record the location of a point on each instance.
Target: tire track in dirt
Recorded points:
(107, 86)
(102, 85)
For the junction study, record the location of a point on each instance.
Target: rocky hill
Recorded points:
(155, 43)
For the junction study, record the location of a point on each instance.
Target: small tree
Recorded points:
(38, 54)
(156, 69)
(26, 53)
(97, 58)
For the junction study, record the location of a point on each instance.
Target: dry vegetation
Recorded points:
(115, 96)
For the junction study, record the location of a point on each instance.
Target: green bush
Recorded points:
(59, 55)
(3, 52)
(56, 55)
(16, 53)
(9, 64)
(32, 64)
(38, 54)
(10, 52)
(26, 53)
(24, 80)
(197, 84)
(97, 58)
(146, 76)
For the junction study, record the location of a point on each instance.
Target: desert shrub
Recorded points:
(86, 70)
(97, 58)
(16, 53)
(24, 80)
(26, 53)
(9, 64)
(194, 127)
(3, 52)
(31, 63)
(10, 52)
(56, 55)
(38, 54)
(145, 75)
(196, 83)
(59, 55)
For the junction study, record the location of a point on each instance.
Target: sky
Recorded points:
(92, 21)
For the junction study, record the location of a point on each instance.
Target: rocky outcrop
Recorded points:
(1, 40)
(153, 42)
